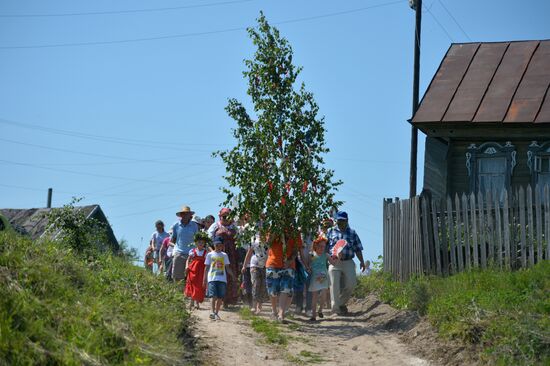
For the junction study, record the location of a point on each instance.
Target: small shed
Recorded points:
(33, 222)
(486, 115)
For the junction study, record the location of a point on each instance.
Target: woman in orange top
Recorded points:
(280, 271)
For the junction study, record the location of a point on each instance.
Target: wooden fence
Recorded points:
(507, 230)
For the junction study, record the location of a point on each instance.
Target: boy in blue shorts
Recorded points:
(215, 276)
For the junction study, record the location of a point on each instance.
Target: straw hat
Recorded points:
(185, 209)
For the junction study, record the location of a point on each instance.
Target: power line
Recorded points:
(97, 175)
(196, 34)
(438, 23)
(454, 19)
(128, 11)
(165, 208)
(102, 155)
(102, 138)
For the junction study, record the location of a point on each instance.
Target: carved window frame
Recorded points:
(535, 152)
(490, 150)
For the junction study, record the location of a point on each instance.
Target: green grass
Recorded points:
(59, 309)
(507, 313)
(269, 329)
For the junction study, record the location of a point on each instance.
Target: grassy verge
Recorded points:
(270, 330)
(507, 313)
(57, 308)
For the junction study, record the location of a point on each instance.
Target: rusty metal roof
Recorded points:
(501, 82)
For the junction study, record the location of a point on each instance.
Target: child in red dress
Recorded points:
(194, 270)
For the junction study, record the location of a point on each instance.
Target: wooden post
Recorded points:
(426, 235)
(506, 224)
(451, 234)
(482, 231)
(490, 228)
(530, 225)
(498, 230)
(538, 212)
(523, 229)
(466, 231)
(444, 239)
(459, 234)
(547, 220)
(474, 229)
(436, 239)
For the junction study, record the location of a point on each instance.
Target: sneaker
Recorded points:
(343, 309)
(212, 316)
(217, 317)
(312, 319)
(320, 314)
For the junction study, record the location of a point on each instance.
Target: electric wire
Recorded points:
(127, 11)
(197, 34)
(454, 20)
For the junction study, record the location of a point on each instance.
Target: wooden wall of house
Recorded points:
(458, 179)
(435, 167)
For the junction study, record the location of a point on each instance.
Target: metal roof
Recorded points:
(501, 82)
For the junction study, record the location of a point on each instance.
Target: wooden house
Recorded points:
(486, 115)
(34, 222)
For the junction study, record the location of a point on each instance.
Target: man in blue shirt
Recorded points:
(182, 236)
(343, 244)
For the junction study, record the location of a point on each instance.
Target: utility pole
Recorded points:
(49, 203)
(417, 6)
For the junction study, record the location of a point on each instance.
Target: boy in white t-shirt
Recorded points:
(215, 276)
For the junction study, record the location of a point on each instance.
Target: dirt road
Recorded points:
(368, 336)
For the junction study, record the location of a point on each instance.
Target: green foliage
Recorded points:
(275, 171)
(70, 226)
(507, 313)
(60, 309)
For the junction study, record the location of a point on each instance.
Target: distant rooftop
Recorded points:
(34, 221)
(499, 82)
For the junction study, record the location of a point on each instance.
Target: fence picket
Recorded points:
(459, 234)
(466, 231)
(482, 231)
(538, 226)
(530, 225)
(498, 230)
(436, 231)
(505, 229)
(523, 230)
(474, 229)
(506, 224)
(444, 239)
(515, 229)
(426, 235)
(490, 228)
(547, 219)
(421, 267)
(451, 234)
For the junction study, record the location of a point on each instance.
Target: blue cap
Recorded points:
(342, 215)
(217, 239)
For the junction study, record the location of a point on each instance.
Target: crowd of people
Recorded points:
(315, 273)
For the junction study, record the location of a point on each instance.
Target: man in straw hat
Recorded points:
(183, 232)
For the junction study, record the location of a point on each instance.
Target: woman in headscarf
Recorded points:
(227, 230)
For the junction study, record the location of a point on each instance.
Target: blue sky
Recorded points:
(123, 102)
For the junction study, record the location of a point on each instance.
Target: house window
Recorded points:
(490, 167)
(538, 160)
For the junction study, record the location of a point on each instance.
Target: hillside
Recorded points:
(58, 308)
